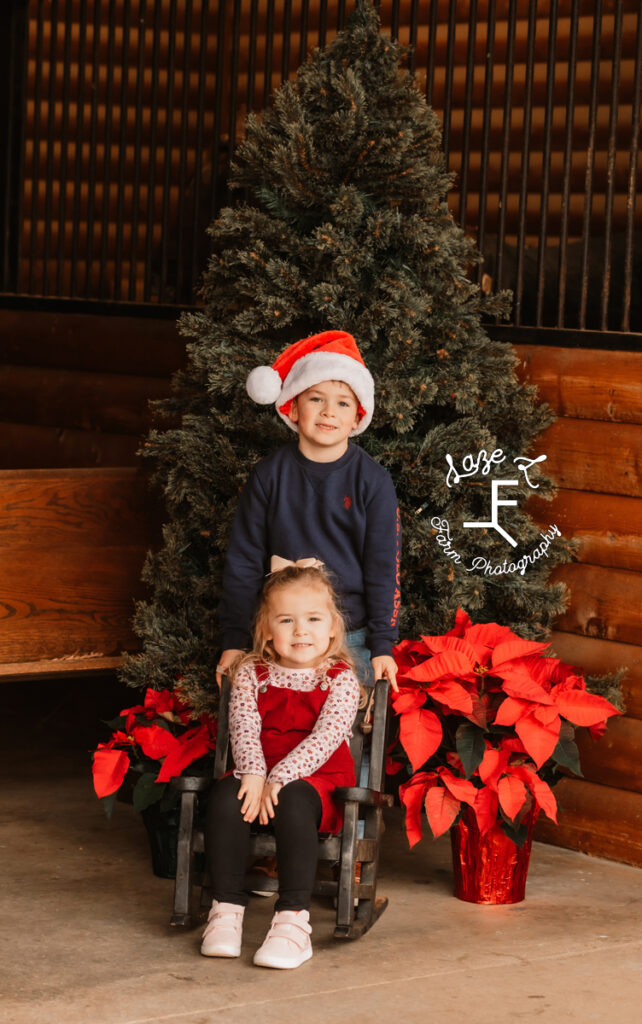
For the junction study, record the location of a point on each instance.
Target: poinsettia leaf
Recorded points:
(462, 622)
(147, 791)
(471, 747)
(411, 795)
(461, 789)
(520, 685)
(581, 707)
(485, 808)
(420, 734)
(439, 644)
(567, 755)
(163, 723)
(492, 765)
(452, 694)
(539, 740)
(442, 808)
(109, 802)
(109, 769)
(511, 710)
(192, 745)
(408, 700)
(117, 723)
(512, 795)
(541, 791)
(490, 634)
(546, 714)
(478, 714)
(448, 663)
(154, 741)
(517, 833)
(514, 648)
(408, 652)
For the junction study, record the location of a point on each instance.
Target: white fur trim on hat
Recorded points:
(263, 385)
(317, 367)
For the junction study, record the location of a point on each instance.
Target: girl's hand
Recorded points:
(250, 792)
(269, 800)
(225, 662)
(385, 667)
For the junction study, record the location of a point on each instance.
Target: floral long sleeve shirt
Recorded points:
(332, 727)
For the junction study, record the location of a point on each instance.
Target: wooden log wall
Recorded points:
(75, 388)
(593, 452)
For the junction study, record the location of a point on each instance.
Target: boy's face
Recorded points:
(326, 415)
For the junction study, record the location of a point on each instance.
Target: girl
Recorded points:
(292, 705)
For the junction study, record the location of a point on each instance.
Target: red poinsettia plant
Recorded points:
(487, 720)
(155, 741)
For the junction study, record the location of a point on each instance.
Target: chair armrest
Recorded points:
(370, 797)
(191, 783)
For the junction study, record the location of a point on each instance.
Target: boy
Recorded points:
(322, 498)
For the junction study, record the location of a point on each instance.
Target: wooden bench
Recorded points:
(72, 546)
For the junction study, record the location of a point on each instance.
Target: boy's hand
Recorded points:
(226, 660)
(269, 800)
(250, 792)
(385, 667)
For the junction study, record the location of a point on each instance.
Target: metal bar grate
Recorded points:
(124, 116)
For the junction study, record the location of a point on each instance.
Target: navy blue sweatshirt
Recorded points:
(344, 512)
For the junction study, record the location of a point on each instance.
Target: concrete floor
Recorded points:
(85, 938)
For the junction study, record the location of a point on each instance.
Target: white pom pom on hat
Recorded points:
(331, 355)
(263, 385)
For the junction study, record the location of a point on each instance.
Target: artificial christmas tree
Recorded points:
(347, 228)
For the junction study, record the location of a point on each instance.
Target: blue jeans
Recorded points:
(357, 643)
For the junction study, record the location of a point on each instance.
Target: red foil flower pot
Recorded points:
(489, 868)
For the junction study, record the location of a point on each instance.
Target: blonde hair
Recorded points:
(310, 576)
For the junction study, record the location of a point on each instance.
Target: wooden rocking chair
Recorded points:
(357, 903)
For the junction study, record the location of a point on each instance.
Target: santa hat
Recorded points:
(332, 355)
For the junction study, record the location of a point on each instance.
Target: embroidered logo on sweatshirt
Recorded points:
(347, 502)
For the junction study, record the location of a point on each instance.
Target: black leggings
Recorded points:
(227, 842)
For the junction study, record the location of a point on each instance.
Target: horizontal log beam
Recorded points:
(585, 383)
(607, 527)
(79, 399)
(598, 820)
(594, 456)
(616, 758)
(89, 508)
(605, 603)
(24, 446)
(119, 344)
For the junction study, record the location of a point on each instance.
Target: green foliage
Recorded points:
(566, 753)
(470, 746)
(346, 228)
(147, 791)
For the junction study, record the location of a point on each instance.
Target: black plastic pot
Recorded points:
(162, 830)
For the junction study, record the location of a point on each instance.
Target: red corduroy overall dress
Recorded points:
(288, 717)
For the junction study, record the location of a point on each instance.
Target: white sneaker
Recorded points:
(224, 931)
(287, 943)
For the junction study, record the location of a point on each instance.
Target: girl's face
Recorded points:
(300, 623)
